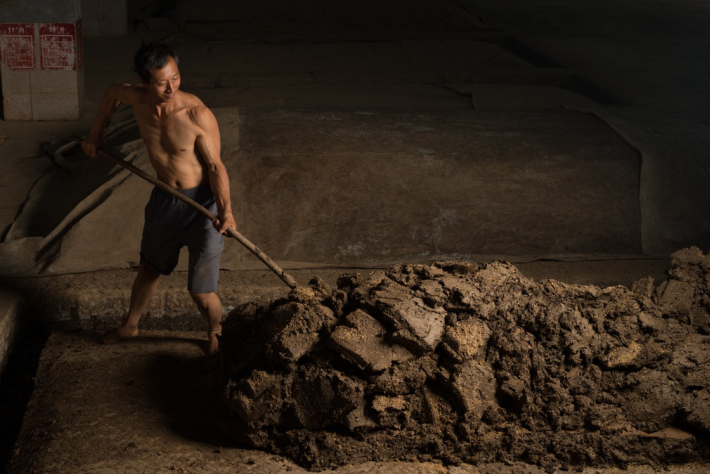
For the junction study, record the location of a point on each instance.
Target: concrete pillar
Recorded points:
(104, 18)
(41, 60)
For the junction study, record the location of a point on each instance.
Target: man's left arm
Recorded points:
(208, 145)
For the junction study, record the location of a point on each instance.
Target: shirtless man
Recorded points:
(183, 142)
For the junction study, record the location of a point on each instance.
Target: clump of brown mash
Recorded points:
(475, 363)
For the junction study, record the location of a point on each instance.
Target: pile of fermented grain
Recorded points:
(475, 363)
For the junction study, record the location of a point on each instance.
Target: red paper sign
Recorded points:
(57, 46)
(17, 45)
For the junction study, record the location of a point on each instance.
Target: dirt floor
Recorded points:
(146, 406)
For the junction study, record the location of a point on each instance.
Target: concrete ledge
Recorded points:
(9, 316)
(99, 300)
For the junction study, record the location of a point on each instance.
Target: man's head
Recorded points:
(157, 66)
(152, 56)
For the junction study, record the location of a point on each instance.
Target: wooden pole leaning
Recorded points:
(231, 231)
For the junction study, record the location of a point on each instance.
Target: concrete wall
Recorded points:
(104, 18)
(40, 11)
(42, 67)
(99, 17)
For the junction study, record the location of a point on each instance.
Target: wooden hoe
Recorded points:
(231, 231)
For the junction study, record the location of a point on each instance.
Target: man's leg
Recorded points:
(210, 307)
(144, 287)
(205, 244)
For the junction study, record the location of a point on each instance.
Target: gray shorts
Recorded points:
(170, 224)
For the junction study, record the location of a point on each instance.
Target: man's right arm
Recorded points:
(116, 93)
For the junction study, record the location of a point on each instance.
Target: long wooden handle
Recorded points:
(231, 231)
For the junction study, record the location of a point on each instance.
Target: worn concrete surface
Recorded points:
(145, 406)
(673, 177)
(365, 188)
(388, 186)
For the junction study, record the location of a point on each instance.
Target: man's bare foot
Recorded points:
(118, 335)
(213, 342)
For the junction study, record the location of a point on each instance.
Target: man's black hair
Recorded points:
(152, 55)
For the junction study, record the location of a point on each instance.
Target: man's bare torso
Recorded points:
(180, 133)
(170, 136)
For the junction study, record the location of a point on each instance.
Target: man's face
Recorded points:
(164, 82)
